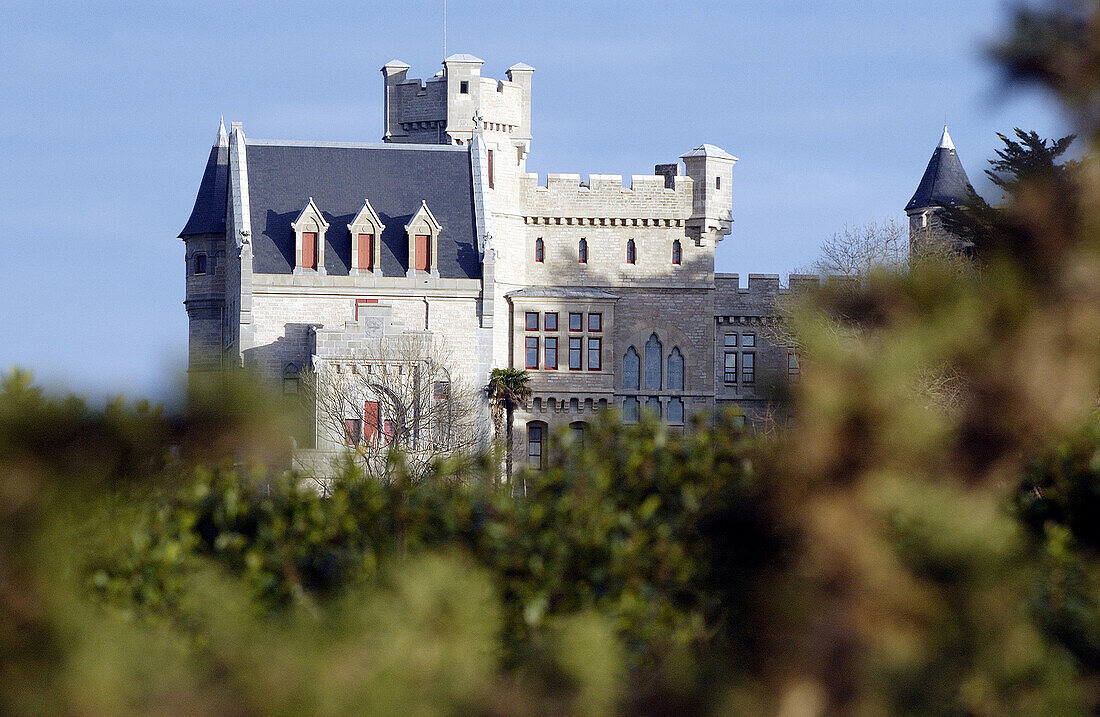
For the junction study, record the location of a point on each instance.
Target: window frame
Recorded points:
(582, 251)
(727, 373)
(631, 252)
(540, 250)
(677, 252)
(531, 343)
(599, 353)
(748, 340)
(200, 263)
(548, 353)
(580, 320)
(599, 322)
(546, 321)
(527, 323)
(748, 372)
(579, 348)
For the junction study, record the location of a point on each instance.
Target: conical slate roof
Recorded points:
(944, 183)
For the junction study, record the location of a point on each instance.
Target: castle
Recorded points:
(300, 253)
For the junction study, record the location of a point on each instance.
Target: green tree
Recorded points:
(507, 389)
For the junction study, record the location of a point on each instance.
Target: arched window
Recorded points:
(676, 370)
(653, 405)
(539, 250)
(631, 252)
(676, 252)
(290, 379)
(582, 251)
(578, 428)
(631, 368)
(536, 445)
(653, 362)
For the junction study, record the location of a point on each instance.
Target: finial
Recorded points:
(223, 138)
(478, 121)
(945, 140)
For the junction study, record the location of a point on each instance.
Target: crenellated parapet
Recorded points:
(604, 201)
(442, 109)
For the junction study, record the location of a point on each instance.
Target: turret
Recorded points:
(943, 185)
(711, 168)
(441, 110)
(394, 73)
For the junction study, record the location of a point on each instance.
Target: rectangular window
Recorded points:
(531, 320)
(730, 341)
(366, 251)
(593, 354)
(423, 249)
(748, 341)
(464, 87)
(730, 367)
(595, 322)
(550, 321)
(351, 431)
(309, 250)
(532, 358)
(370, 420)
(575, 322)
(575, 354)
(717, 182)
(200, 263)
(550, 353)
(748, 367)
(490, 169)
(794, 368)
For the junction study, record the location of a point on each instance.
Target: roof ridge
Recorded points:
(356, 145)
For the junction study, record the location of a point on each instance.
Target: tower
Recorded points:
(711, 168)
(943, 185)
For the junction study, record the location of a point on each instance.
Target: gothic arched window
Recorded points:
(631, 368)
(653, 362)
(582, 251)
(631, 252)
(676, 252)
(676, 370)
(540, 250)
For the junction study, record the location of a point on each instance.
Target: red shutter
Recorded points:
(309, 250)
(366, 251)
(370, 421)
(423, 249)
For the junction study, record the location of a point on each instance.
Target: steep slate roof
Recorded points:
(282, 176)
(944, 183)
(208, 215)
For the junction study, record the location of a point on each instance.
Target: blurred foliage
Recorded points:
(887, 552)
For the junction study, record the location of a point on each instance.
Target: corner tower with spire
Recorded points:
(943, 185)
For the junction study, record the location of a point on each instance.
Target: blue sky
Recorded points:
(109, 108)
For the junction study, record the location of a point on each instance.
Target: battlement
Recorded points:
(604, 197)
(441, 110)
(762, 293)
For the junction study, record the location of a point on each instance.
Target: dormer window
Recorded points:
(309, 239)
(423, 235)
(366, 239)
(200, 263)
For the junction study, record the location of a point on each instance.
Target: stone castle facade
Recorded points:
(300, 253)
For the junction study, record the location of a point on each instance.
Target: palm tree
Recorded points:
(507, 389)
